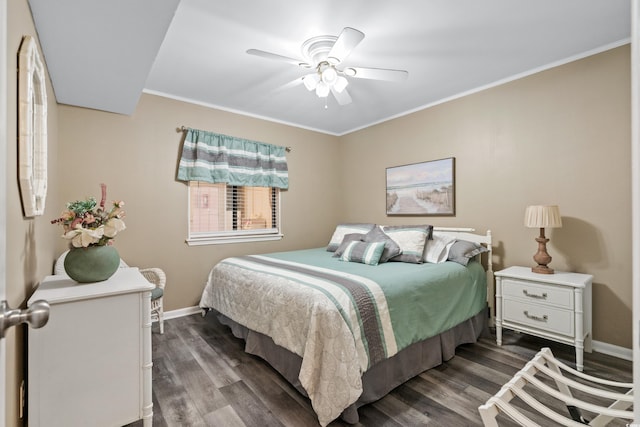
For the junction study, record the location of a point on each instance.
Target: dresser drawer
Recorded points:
(546, 294)
(539, 316)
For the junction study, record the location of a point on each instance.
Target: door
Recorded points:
(635, 198)
(3, 189)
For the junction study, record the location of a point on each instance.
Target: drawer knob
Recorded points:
(544, 318)
(526, 293)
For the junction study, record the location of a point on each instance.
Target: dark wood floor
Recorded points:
(202, 377)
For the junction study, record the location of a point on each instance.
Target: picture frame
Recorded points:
(32, 129)
(425, 188)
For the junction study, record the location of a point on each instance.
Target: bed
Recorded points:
(346, 333)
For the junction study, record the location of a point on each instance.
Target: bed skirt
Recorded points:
(381, 378)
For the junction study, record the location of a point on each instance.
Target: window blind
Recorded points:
(222, 210)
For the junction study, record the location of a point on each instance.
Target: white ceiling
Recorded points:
(104, 54)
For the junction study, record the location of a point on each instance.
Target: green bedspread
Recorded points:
(423, 299)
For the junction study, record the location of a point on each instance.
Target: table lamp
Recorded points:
(542, 217)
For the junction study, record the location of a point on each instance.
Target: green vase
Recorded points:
(91, 264)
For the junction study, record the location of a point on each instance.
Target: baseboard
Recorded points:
(612, 350)
(181, 312)
(599, 346)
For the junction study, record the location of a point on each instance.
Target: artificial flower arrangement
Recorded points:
(87, 225)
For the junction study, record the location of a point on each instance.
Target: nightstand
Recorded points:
(553, 306)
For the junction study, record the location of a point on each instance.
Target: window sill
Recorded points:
(200, 241)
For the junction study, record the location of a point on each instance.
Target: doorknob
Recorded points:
(36, 316)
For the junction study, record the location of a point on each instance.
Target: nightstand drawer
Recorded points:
(541, 317)
(557, 296)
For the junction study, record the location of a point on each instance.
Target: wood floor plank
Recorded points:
(225, 416)
(469, 371)
(439, 391)
(203, 377)
(215, 366)
(270, 388)
(248, 406)
(399, 411)
(174, 401)
(375, 417)
(439, 415)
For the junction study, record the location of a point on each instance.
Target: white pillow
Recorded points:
(437, 249)
(344, 229)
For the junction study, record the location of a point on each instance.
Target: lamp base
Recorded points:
(542, 258)
(542, 269)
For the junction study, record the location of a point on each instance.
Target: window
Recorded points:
(221, 213)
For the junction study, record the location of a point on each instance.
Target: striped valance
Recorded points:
(217, 158)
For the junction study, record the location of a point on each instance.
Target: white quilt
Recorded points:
(317, 321)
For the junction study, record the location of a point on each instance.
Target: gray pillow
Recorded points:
(411, 239)
(391, 248)
(353, 237)
(343, 229)
(462, 251)
(363, 252)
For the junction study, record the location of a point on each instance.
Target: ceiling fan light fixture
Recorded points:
(329, 76)
(322, 90)
(311, 81)
(340, 84)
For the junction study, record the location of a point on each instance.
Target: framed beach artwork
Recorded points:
(426, 188)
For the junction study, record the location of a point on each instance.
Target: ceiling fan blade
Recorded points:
(277, 57)
(376, 74)
(343, 97)
(292, 83)
(347, 40)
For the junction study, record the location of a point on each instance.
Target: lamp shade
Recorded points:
(542, 216)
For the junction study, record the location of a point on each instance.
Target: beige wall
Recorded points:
(136, 157)
(557, 137)
(31, 242)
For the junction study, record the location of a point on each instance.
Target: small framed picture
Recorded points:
(426, 188)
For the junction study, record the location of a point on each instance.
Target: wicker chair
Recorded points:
(153, 275)
(158, 278)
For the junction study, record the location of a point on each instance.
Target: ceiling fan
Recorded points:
(325, 55)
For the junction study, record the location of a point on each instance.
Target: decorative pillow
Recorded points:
(437, 249)
(391, 248)
(343, 229)
(353, 237)
(411, 239)
(363, 252)
(462, 251)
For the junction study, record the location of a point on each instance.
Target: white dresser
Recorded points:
(90, 365)
(554, 306)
